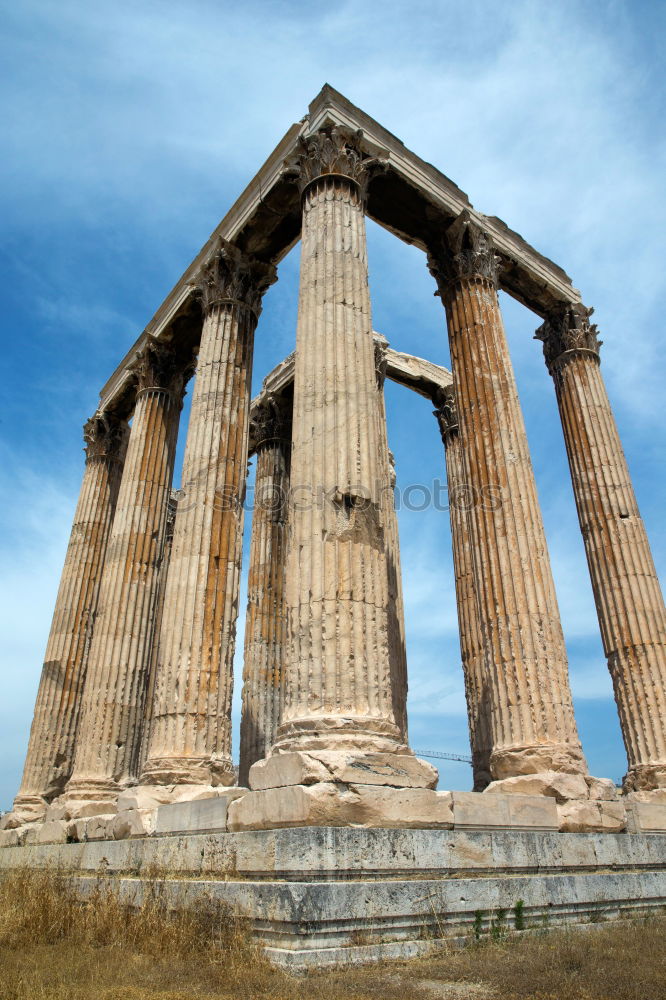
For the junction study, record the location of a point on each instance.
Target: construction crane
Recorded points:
(443, 756)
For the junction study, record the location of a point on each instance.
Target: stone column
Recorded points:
(266, 621)
(157, 628)
(109, 737)
(532, 723)
(50, 754)
(627, 594)
(190, 733)
(477, 688)
(340, 681)
(396, 608)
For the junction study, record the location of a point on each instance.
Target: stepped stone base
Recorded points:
(324, 896)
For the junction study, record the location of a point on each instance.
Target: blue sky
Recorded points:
(129, 129)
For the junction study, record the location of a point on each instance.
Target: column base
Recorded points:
(646, 782)
(298, 767)
(510, 762)
(26, 809)
(85, 797)
(338, 732)
(210, 771)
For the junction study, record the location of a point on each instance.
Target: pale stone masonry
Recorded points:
(477, 687)
(627, 594)
(190, 730)
(266, 620)
(50, 755)
(132, 734)
(109, 737)
(531, 712)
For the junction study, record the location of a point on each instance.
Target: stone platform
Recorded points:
(330, 895)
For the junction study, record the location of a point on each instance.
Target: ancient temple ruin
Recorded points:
(130, 748)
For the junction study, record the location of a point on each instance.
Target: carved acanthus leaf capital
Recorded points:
(334, 151)
(230, 276)
(157, 366)
(446, 411)
(466, 251)
(567, 331)
(381, 347)
(271, 421)
(105, 436)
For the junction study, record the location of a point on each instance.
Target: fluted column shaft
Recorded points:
(190, 730)
(266, 621)
(109, 738)
(157, 628)
(477, 688)
(50, 753)
(339, 680)
(396, 607)
(532, 721)
(626, 589)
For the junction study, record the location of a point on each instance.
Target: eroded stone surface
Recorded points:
(477, 811)
(560, 786)
(589, 816)
(331, 804)
(647, 817)
(196, 816)
(347, 766)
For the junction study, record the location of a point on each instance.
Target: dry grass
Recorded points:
(54, 948)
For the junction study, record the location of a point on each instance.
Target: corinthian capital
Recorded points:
(446, 412)
(105, 436)
(466, 251)
(381, 347)
(334, 151)
(157, 366)
(567, 331)
(271, 421)
(230, 276)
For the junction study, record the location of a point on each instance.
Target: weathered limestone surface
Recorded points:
(627, 594)
(393, 886)
(477, 687)
(266, 620)
(472, 811)
(646, 817)
(531, 713)
(331, 803)
(108, 741)
(584, 816)
(306, 768)
(196, 817)
(50, 753)
(340, 682)
(190, 732)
